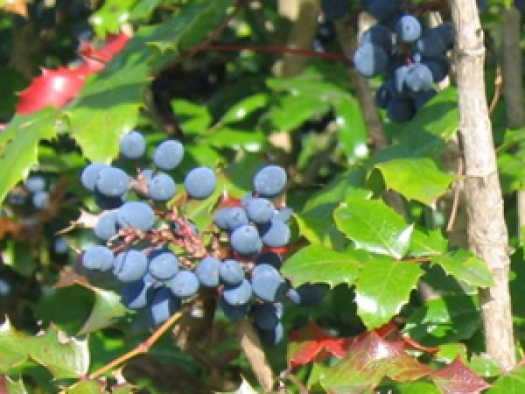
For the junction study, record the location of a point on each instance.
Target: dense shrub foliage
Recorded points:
(194, 200)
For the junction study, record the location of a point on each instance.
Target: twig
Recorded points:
(297, 382)
(277, 49)
(251, 345)
(218, 31)
(455, 201)
(141, 348)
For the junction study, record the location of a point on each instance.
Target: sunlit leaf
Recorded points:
(316, 264)
(383, 287)
(374, 226)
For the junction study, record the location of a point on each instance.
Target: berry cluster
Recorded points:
(413, 58)
(163, 259)
(34, 190)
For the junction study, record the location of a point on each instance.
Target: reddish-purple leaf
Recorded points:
(59, 87)
(311, 343)
(456, 378)
(368, 361)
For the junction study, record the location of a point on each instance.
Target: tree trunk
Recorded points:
(512, 84)
(487, 231)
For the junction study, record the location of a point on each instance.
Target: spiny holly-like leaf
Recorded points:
(59, 87)
(19, 145)
(63, 356)
(107, 308)
(457, 378)
(374, 226)
(311, 343)
(465, 267)
(53, 87)
(383, 287)
(444, 320)
(121, 84)
(313, 222)
(513, 382)
(316, 264)
(416, 178)
(204, 19)
(96, 130)
(10, 352)
(111, 16)
(425, 243)
(368, 361)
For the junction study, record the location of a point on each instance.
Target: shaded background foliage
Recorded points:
(208, 74)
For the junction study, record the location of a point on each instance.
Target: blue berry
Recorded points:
(130, 266)
(168, 155)
(132, 145)
(98, 257)
(200, 182)
(270, 181)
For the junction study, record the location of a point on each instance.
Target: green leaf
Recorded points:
(417, 387)
(512, 382)
(121, 84)
(226, 137)
(313, 220)
(303, 108)
(310, 83)
(512, 171)
(143, 9)
(206, 16)
(19, 145)
(466, 267)
(85, 387)
(416, 179)
(351, 129)
(374, 226)
(383, 287)
(316, 263)
(108, 106)
(426, 135)
(193, 118)
(106, 309)
(444, 320)
(110, 17)
(426, 243)
(484, 366)
(11, 353)
(244, 108)
(65, 357)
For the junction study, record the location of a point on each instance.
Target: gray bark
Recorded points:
(487, 231)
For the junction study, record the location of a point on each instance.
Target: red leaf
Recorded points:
(312, 343)
(53, 87)
(456, 378)
(58, 87)
(369, 360)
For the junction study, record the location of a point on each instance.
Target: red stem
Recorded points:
(273, 49)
